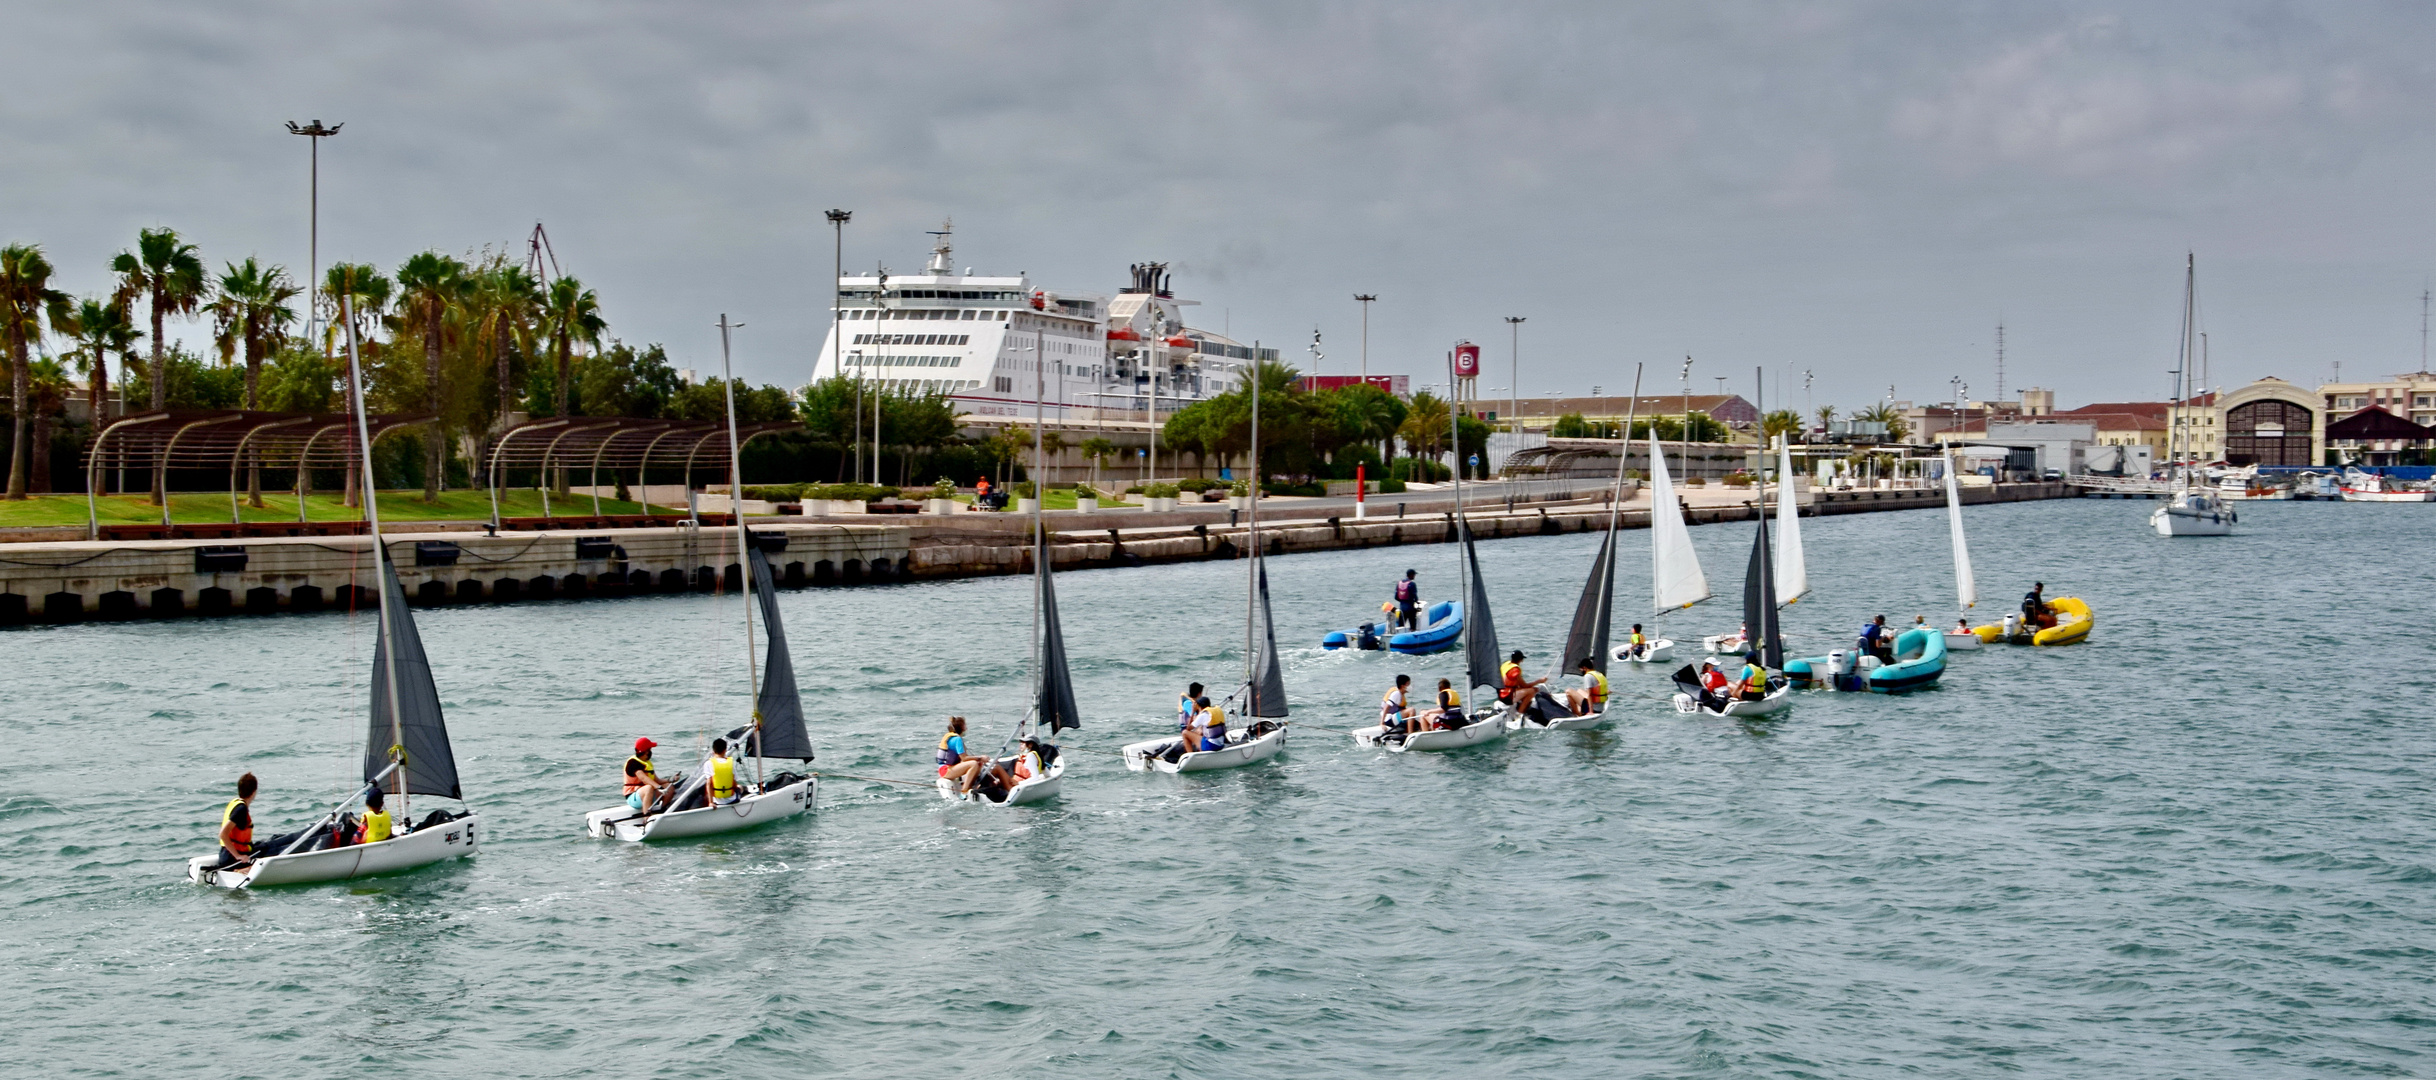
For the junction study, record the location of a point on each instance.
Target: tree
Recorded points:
(506, 303)
(1785, 422)
(101, 327)
(429, 283)
(47, 396)
(1826, 416)
(571, 315)
(363, 286)
(1897, 428)
(1098, 449)
(1425, 426)
(1052, 445)
(167, 272)
(252, 311)
(26, 300)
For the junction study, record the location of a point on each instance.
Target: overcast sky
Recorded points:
(1858, 190)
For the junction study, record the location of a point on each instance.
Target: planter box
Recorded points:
(940, 506)
(1239, 502)
(1087, 505)
(1026, 506)
(1189, 496)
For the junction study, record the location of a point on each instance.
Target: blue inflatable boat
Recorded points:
(1441, 629)
(1919, 660)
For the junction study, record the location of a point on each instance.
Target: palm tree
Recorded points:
(429, 284)
(1784, 422)
(1053, 444)
(1098, 448)
(1424, 430)
(364, 288)
(570, 314)
(505, 302)
(1826, 416)
(1897, 428)
(47, 396)
(166, 271)
(26, 299)
(252, 311)
(100, 327)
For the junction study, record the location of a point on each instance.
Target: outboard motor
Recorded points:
(1843, 666)
(2013, 626)
(1368, 638)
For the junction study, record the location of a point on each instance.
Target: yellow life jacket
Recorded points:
(1448, 699)
(376, 826)
(634, 781)
(723, 778)
(1511, 672)
(1637, 639)
(1754, 679)
(1598, 688)
(243, 842)
(1215, 715)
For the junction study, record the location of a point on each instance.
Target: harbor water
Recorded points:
(2202, 844)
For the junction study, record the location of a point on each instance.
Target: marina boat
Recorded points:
(1480, 723)
(971, 337)
(406, 751)
(1759, 620)
(777, 728)
(1675, 579)
(1053, 707)
(1262, 699)
(2192, 508)
(2073, 622)
(1919, 661)
(2359, 486)
(1593, 619)
(1966, 585)
(1441, 629)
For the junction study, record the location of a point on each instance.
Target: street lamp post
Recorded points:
(1514, 377)
(1366, 298)
(316, 132)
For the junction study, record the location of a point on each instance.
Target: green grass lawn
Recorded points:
(213, 509)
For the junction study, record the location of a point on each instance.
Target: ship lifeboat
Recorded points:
(1040, 299)
(1124, 333)
(1184, 343)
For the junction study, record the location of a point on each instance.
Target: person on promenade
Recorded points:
(1514, 689)
(645, 790)
(1592, 696)
(1408, 602)
(1396, 713)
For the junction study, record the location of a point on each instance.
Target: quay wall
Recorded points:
(75, 580)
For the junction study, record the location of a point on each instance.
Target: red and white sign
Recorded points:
(1467, 360)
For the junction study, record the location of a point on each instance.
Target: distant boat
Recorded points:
(1675, 579)
(1593, 616)
(1966, 585)
(2192, 508)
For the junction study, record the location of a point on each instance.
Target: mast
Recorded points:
(1454, 441)
(380, 554)
(744, 538)
(1040, 502)
(1251, 566)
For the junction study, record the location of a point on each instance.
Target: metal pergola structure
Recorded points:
(616, 443)
(227, 438)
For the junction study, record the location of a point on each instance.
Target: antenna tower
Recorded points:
(2000, 361)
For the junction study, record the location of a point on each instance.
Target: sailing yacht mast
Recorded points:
(1251, 569)
(744, 537)
(380, 553)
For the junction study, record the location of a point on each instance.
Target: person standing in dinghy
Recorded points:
(1408, 602)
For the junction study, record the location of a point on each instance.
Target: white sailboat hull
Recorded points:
(1241, 750)
(1775, 702)
(1033, 790)
(1960, 640)
(1519, 722)
(1725, 643)
(625, 823)
(1485, 727)
(2178, 519)
(422, 847)
(2352, 495)
(1657, 652)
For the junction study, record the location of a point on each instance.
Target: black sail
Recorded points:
(1591, 615)
(781, 706)
(415, 729)
(1056, 705)
(1759, 602)
(1266, 693)
(1479, 632)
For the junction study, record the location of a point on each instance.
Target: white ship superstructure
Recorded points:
(987, 342)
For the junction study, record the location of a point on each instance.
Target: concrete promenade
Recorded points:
(64, 581)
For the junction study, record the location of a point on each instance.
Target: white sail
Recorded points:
(1966, 587)
(1792, 575)
(1674, 576)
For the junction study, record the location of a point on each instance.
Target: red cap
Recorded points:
(641, 745)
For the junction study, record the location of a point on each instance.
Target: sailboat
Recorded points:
(1675, 579)
(1966, 586)
(406, 751)
(1593, 614)
(1792, 569)
(2191, 509)
(777, 730)
(1263, 696)
(1759, 624)
(1053, 707)
(1479, 723)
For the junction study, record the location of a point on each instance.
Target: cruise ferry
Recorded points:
(983, 340)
